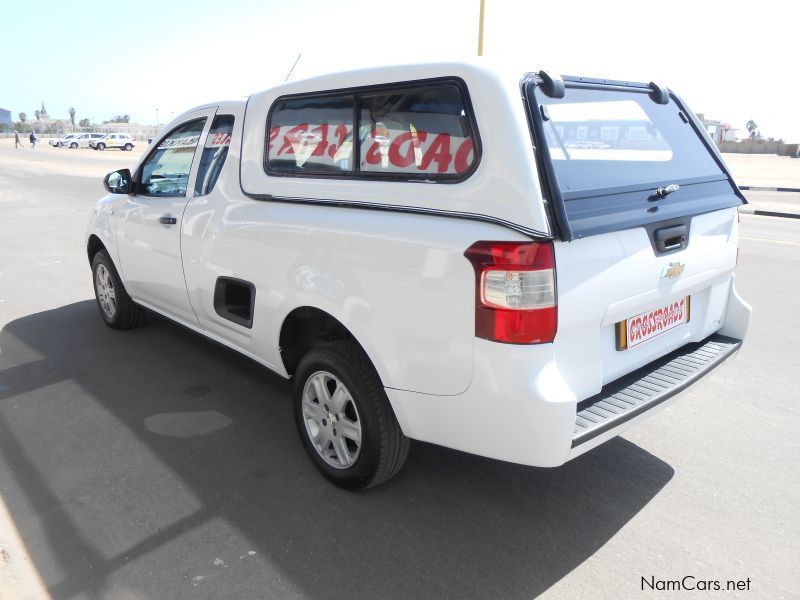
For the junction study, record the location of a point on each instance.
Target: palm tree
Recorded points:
(72, 116)
(752, 127)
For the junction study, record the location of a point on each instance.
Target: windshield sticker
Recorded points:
(182, 142)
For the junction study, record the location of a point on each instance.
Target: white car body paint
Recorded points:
(399, 281)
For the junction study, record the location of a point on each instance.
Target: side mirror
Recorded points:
(119, 182)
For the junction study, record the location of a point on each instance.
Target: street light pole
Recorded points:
(480, 28)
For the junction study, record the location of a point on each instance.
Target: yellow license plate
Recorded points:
(640, 328)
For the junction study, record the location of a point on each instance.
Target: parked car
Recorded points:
(82, 140)
(59, 142)
(525, 304)
(113, 140)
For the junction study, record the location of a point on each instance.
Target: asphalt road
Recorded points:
(156, 464)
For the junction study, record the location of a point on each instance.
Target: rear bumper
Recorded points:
(520, 408)
(603, 415)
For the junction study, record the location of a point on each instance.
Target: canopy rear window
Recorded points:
(604, 139)
(614, 155)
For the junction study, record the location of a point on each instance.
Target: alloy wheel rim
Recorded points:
(331, 419)
(106, 295)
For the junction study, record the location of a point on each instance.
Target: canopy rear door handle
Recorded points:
(671, 238)
(168, 220)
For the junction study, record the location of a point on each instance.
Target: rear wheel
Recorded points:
(116, 306)
(344, 418)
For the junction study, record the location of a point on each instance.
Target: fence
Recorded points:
(760, 147)
(44, 131)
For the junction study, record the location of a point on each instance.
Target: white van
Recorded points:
(516, 265)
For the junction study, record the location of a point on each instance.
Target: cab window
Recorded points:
(166, 170)
(215, 151)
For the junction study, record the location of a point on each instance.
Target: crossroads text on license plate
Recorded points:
(638, 329)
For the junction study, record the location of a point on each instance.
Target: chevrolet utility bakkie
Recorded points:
(517, 265)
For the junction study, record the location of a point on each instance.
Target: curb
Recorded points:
(769, 213)
(758, 188)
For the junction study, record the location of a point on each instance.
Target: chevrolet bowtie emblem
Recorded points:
(673, 270)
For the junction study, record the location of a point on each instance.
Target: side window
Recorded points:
(419, 131)
(311, 135)
(403, 132)
(215, 151)
(166, 170)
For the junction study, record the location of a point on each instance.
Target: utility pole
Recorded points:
(480, 28)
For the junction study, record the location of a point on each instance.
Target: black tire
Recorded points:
(73, 145)
(383, 448)
(128, 147)
(126, 314)
(100, 146)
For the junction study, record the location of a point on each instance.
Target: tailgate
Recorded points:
(615, 282)
(646, 214)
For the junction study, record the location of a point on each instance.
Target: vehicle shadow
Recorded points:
(161, 464)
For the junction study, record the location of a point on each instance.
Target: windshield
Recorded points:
(600, 139)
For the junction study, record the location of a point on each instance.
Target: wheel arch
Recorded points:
(93, 246)
(307, 326)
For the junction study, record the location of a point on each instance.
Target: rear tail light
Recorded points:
(515, 291)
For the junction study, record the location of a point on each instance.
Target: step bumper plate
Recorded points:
(649, 386)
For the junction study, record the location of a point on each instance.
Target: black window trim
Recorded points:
(216, 116)
(355, 173)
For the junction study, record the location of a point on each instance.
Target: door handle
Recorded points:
(671, 238)
(167, 220)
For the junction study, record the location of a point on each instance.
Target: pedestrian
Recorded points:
(17, 143)
(33, 139)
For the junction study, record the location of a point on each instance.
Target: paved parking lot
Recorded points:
(157, 464)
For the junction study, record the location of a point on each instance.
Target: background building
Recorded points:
(5, 119)
(717, 130)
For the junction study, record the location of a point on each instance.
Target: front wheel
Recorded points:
(73, 145)
(344, 418)
(116, 307)
(101, 146)
(128, 147)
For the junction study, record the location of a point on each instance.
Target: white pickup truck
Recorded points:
(516, 265)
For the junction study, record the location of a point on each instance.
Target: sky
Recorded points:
(731, 60)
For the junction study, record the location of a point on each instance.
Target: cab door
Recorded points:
(149, 221)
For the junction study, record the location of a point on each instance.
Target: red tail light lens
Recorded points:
(515, 291)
